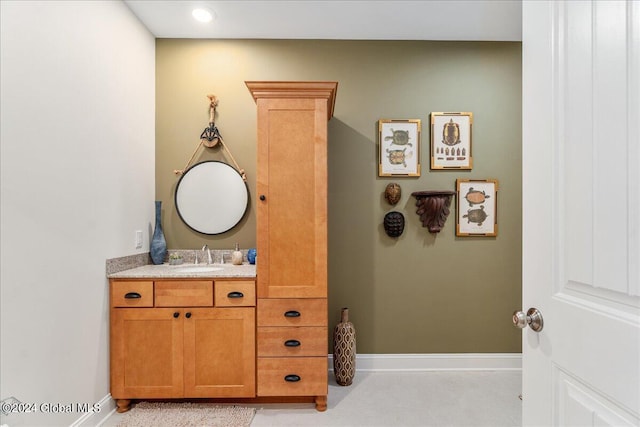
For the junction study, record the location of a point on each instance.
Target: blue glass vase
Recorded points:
(158, 250)
(251, 256)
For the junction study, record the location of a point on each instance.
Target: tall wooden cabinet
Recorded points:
(292, 237)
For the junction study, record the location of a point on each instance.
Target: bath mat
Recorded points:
(163, 414)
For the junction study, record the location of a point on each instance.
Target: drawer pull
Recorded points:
(292, 343)
(235, 295)
(132, 295)
(292, 378)
(176, 315)
(188, 315)
(292, 313)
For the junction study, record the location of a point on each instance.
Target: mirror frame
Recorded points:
(212, 231)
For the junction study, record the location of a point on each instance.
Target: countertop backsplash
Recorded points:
(189, 255)
(115, 265)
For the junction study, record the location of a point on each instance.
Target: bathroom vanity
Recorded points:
(182, 332)
(233, 333)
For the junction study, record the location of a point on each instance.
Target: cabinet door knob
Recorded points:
(263, 197)
(292, 343)
(292, 378)
(132, 295)
(292, 313)
(176, 315)
(235, 295)
(188, 315)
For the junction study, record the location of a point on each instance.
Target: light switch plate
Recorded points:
(138, 239)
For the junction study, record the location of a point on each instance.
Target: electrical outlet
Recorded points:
(138, 239)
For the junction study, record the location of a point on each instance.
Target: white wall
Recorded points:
(77, 153)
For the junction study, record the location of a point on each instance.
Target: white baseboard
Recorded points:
(436, 362)
(107, 407)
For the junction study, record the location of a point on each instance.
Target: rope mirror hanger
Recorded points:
(210, 137)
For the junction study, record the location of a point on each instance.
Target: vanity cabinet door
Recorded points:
(292, 188)
(219, 352)
(146, 353)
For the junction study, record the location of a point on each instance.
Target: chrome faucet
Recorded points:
(206, 248)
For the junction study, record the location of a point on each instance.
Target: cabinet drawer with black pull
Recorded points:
(275, 341)
(132, 294)
(292, 312)
(292, 376)
(234, 293)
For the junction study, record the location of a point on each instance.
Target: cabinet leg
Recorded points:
(123, 405)
(321, 403)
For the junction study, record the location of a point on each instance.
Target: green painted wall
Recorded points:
(419, 293)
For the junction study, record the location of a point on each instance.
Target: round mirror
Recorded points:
(211, 197)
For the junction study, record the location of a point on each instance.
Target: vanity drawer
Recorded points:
(292, 376)
(235, 293)
(177, 293)
(292, 312)
(289, 342)
(132, 294)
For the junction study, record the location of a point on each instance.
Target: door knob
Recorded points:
(533, 318)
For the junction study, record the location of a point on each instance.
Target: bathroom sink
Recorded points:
(198, 269)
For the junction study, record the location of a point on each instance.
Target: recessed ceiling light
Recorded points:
(202, 15)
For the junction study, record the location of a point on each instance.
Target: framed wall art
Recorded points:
(477, 207)
(399, 142)
(451, 141)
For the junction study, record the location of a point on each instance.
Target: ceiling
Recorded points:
(492, 20)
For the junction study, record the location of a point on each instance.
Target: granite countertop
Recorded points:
(187, 271)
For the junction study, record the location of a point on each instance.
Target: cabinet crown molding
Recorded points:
(295, 89)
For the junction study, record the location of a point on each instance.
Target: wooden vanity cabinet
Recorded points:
(171, 339)
(292, 237)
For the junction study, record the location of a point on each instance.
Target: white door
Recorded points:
(581, 212)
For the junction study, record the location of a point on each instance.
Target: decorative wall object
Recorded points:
(158, 247)
(210, 137)
(392, 193)
(344, 350)
(433, 208)
(394, 224)
(477, 207)
(451, 140)
(399, 142)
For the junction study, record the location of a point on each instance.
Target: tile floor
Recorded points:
(398, 399)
